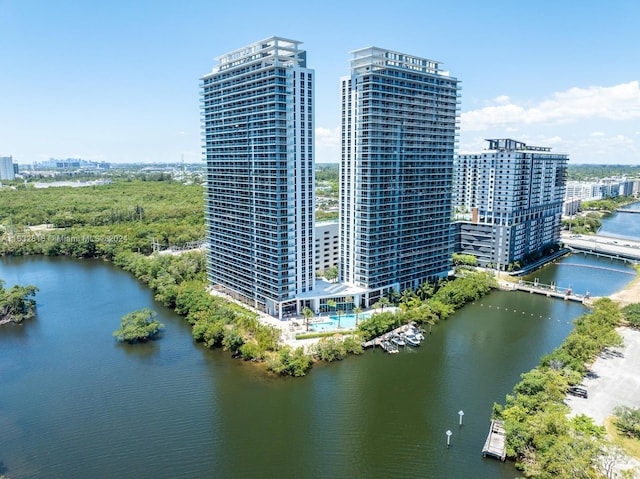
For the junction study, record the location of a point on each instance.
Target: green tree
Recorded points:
(290, 362)
(17, 303)
(357, 311)
(308, 314)
(339, 313)
(631, 314)
(138, 326)
(331, 274)
(425, 291)
(331, 304)
(628, 421)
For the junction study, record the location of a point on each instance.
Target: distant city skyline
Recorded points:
(118, 82)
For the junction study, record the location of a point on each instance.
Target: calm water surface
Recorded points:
(73, 403)
(623, 225)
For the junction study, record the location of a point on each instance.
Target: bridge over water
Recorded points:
(605, 246)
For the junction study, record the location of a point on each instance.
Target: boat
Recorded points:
(398, 341)
(417, 333)
(411, 340)
(389, 347)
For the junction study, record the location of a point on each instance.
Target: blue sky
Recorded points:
(117, 81)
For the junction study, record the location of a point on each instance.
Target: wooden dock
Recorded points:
(495, 445)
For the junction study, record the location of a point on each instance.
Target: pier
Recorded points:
(549, 290)
(495, 445)
(624, 210)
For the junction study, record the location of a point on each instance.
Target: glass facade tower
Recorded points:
(399, 131)
(257, 120)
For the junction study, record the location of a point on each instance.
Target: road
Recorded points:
(603, 244)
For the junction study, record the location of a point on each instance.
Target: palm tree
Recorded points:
(393, 296)
(339, 312)
(357, 310)
(348, 300)
(332, 304)
(425, 290)
(308, 314)
(384, 302)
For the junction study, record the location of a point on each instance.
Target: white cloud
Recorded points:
(327, 137)
(618, 102)
(502, 100)
(327, 145)
(554, 140)
(596, 134)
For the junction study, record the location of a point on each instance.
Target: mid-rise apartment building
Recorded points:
(258, 123)
(510, 199)
(327, 245)
(399, 122)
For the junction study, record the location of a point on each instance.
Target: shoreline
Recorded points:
(630, 293)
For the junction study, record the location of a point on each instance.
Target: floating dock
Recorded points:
(495, 445)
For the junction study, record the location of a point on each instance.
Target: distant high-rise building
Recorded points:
(510, 197)
(258, 122)
(399, 122)
(6, 168)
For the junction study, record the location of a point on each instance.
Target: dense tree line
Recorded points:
(179, 282)
(17, 303)
(588, 223)
(608, 205)
(596, 172)
(431, 303)
(543, 440)
(100, 221)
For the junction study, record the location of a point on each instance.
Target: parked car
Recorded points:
(578, 391)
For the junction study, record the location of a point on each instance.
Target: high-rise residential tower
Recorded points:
(510, 198)
(7, 171)
(399, 122)
(257, 116)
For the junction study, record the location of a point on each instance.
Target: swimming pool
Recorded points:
(347, 321)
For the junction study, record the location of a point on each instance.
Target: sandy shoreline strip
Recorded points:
(630, 294)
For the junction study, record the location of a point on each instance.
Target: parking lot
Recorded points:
(614, 380)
